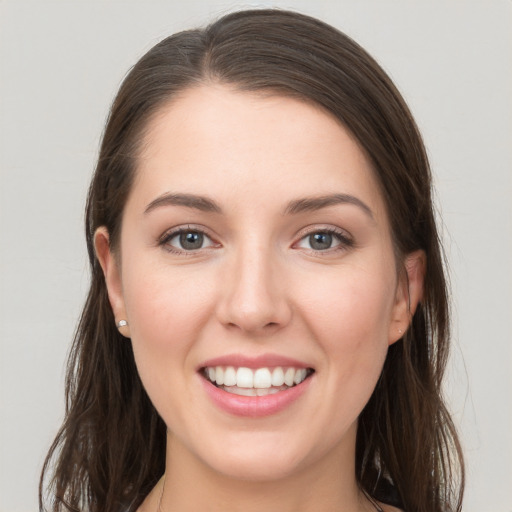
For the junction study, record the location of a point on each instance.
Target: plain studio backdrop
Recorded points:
(62, 61)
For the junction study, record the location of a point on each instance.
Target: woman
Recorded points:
(267, 324)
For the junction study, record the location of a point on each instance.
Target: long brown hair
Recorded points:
(110, 450)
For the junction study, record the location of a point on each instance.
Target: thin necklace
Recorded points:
(368, 497)
(159, 509)
(371, 500)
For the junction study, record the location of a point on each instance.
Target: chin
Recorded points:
(256, 469)
(260, 458)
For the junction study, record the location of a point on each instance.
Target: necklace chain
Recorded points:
(159, 509)
(371, 500)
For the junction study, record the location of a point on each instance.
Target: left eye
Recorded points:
(188, 240)
(322, 241)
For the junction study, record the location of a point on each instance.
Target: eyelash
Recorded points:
(345, 241)
(169, 235)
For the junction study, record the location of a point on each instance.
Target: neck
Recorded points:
(326, 485)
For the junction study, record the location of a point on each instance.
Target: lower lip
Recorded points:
(254, 406)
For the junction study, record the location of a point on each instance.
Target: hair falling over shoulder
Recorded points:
(110, 450)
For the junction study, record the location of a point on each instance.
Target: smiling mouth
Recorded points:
(255, 382)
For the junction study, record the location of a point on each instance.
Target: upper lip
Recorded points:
(261, 361)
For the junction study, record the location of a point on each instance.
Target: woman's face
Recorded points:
(256, 252)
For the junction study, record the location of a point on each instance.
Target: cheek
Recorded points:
(350, 308)
(162, 301)
(349, 316)
(166, 313)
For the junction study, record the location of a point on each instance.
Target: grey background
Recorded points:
(61, 63)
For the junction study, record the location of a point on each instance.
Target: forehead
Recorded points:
(215, 140)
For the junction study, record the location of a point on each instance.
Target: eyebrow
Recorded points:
(188, 200)
(309, 204)
(306, 204)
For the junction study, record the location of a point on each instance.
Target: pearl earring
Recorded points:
(121, 323)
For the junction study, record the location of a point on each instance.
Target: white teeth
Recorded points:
(261, 379)
(243, 391)
(219, 375)
(244, 378)
(230, 376)
(300, 375)
(277, 377)
(289, 376)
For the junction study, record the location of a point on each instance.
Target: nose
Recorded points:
(254, 297)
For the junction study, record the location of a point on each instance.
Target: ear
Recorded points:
(110, 265)
(409, 293)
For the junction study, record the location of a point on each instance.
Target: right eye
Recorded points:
(186, 240)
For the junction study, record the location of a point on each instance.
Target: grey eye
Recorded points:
(191, 240)
(188, 240)
(320, 241)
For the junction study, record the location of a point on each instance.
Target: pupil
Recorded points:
(320, 241)
(191, 240)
